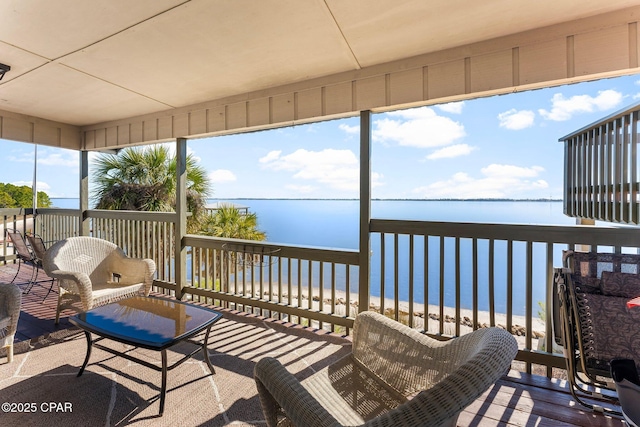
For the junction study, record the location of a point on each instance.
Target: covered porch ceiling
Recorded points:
(91, 76)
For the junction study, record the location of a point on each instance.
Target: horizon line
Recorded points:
(379, 199)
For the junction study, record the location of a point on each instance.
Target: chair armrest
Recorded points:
(82, 282)
(10, 298)
(278, 388)
(441, 404)
(135, 270)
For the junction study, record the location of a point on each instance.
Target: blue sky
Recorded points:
(498, 147)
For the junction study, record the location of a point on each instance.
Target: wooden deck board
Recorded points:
(518, 399)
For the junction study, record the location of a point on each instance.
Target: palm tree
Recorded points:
(228, 221)
(144, 179)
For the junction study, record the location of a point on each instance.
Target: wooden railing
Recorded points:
(464, 267)
(601, 169)
(53, 224)
(17, 219)
(441, 278)
(140, 235)
(304, 285)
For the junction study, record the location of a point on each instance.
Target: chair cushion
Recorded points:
(351, 393)
(610, 329)
(620, 284)
(104, 293)
(590, 285)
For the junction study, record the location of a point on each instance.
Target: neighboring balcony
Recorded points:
(601, 176)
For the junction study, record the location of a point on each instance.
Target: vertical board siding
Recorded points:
(563, 53)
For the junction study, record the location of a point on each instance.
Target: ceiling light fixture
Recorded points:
(3, 69)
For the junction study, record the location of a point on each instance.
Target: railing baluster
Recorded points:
(425, 272)
(442, 247)
(529, 299)
(411, 277)
(321, 288)
(383, 283)
(333, 292)
(458, 282)
(396, 287)
(299, 287)
(289, 284)
(475, 283)
(548, 306)
(509, 285)
(492, 281)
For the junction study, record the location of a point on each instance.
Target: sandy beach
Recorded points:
(432, 315)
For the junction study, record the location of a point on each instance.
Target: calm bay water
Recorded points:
(334, 224)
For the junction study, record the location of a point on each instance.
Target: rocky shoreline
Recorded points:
(432, 317)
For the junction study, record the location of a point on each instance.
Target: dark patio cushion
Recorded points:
(620, 284)
(590, 285)
(610, 329)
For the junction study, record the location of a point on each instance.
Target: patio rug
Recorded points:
(41, 388)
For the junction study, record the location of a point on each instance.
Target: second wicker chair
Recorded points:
(395, 376)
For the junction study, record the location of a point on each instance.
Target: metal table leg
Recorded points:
(87, 334)
(163, 390)
(205, 351)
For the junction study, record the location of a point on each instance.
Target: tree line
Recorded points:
(14, 196)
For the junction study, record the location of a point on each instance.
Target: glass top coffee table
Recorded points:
(150, 323)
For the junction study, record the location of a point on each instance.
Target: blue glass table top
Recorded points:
(148, 322)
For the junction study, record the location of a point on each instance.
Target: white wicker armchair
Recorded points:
(10, 299)
(395, 376)
(95, 271)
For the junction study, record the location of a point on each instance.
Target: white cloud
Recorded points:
(508, 171)
(192, 153)
(497, 181)
(56, 159)
(339, 169)
(564, 108)
(418, 127)
(48, 158)
(452, 107)
(516, 120)
(222, 175)
(451, 151)
(349, 129)
(40, 186)
(271, 156)
(171, 147)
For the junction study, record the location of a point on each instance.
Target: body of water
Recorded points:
(334, 224)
